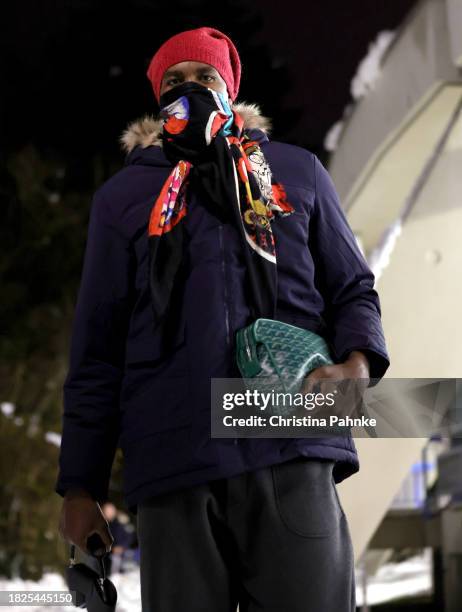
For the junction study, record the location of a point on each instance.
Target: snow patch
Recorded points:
(395, 580)
(369, 68)
(53, 438)
(364, 80)
(333, 136)
(127, 585)
(7, 408)
(381, 255)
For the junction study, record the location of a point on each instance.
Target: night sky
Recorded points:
(73, 73)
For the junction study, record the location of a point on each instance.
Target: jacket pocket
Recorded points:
(306, 497)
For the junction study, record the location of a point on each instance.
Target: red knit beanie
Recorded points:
(201, 45)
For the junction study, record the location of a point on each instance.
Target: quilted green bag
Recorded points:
(287, 352)
(276, 355)
(273, 355)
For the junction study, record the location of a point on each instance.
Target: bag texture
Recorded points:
(276, 355)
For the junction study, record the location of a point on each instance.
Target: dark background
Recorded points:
(73, 72)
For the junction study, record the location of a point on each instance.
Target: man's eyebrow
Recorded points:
(206, 69)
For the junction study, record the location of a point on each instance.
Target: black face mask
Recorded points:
(193, 116)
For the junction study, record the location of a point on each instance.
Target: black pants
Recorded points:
(275, 539)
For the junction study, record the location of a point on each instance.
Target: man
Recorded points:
(210, 225)
(122, 532)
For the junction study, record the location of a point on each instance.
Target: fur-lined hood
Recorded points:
(146, 130)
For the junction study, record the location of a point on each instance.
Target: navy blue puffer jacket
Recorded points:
(121, 390)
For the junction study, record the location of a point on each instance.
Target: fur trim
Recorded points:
(146, 130)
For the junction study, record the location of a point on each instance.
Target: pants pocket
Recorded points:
(306, 497)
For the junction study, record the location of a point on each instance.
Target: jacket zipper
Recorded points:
(223, 268)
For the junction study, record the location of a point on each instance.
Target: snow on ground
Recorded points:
(410, 577)
(395, 580)
(127, 585)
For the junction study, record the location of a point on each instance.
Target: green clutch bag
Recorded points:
(272, 354)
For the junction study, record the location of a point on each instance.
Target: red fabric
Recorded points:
(200, 45)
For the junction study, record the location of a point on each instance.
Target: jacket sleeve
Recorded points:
(90, 419)
(352, 305)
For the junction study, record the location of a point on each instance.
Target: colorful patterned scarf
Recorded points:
(205, 141)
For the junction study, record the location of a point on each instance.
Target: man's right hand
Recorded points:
(80, 517)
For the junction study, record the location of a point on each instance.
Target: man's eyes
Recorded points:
(209, 78)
